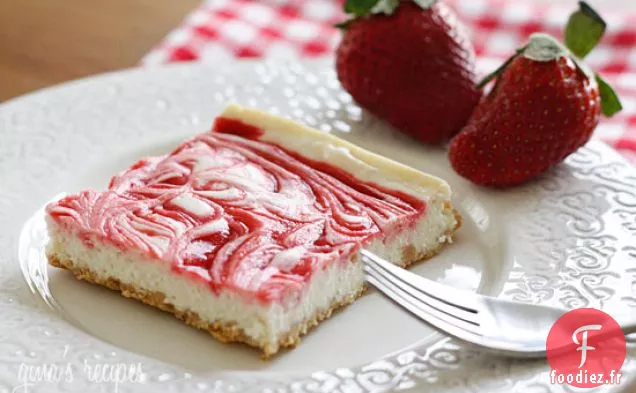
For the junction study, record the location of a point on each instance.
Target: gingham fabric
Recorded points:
(221, 29)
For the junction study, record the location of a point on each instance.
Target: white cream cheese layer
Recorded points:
(320, 146)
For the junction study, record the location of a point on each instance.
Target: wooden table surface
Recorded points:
(43, 42)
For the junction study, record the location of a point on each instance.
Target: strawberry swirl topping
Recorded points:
(238, 213)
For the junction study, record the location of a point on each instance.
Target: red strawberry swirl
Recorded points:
(238, 213)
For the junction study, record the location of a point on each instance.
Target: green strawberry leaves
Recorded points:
(344, 25)
(610, 104)
(584, 30)
(425, 4)
(540, 47)
(359, 8)
(385, 7)
(499, 70)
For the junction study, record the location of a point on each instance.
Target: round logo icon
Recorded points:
(585, 348)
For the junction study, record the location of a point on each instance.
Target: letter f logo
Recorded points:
(584, 347)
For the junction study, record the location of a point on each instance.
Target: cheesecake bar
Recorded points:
(251, 231)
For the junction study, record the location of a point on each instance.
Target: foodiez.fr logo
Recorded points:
(586, 348)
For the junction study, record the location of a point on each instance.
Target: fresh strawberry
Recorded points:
(544, 105)
(409, 63)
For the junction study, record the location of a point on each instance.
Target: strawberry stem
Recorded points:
(584, 30)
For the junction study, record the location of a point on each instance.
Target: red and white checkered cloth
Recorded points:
(304, 28)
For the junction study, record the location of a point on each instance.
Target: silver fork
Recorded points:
(505, 327)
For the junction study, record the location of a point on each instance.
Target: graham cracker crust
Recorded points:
(226, 332)
(229, 332)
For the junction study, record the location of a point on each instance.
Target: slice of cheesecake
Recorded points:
(251, 231)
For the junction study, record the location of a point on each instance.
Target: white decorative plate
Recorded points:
(566, 240)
